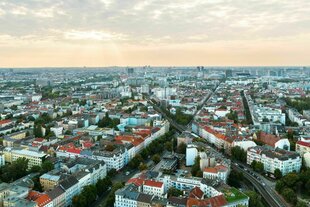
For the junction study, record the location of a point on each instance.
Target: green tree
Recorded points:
(168, 146)
(196, 167)
(111, 197)
(290, 180)
(79, 201)
(14, 171)
(37, 130)
(90, 193)
(142, 166)
(174, 192)
(255, 199)
(277, 174)
(156, 158)
(301, 204)
(259, 167)
(35, 169)
(289, 195)
(182, 148)
(103, 185)
(47, 166)
(112, 172)
(235, 178)
(239, 154)
(253, 164)
(279, 186)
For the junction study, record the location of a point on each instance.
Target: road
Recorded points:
(266, 191)
(119, 177)
(177, 126)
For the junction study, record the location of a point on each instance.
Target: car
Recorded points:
(127, 173)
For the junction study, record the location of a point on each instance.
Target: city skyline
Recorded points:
(157, 33)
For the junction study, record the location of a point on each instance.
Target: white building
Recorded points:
(114, 160)
(2, 159)
(243, 144)
(191, 154)
(219, 172)
(153, 188)
(57, 130)
(273, 159)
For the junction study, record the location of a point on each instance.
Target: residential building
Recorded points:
(273, 159)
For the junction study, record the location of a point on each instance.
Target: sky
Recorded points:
(77, 33)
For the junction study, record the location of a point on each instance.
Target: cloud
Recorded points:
(93, 35)
(147, 24)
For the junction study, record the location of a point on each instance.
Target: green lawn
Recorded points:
(233, 195)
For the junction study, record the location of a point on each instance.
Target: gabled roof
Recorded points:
(196, 193)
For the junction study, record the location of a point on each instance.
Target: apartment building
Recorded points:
(273, 159)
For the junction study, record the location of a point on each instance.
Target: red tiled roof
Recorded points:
(217, 201)
(40, 199)
(196, 193)
(210, 170)
(136, 181)
(302, 143)
(38, 140)
(5, 121)
(153, 183)
(75, 151)
(268, 139)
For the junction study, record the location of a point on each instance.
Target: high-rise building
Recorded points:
(228, 73)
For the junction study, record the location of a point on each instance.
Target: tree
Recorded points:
(111, 197)
(110, 147)
(14, 171)
(255, 199)
(196, 166)
(135, 162)
(99, 137)
(68, 132)
(156, 158)
(279, 186)
(174, 192)
(253, 164)
(301, 204)
(142, 167)
(37, 130)
(103, 185)
(259, 167)
(37, 185)
(277, 174)
(182, 148)
(290, 179)
(112, 172)
(235, 178)
(168, 146)
(90, 193)
(289, 195)
(239, 154)
(35, 169)
(79, 201)
(47, 166)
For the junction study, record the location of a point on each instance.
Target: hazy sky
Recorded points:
(154, 32)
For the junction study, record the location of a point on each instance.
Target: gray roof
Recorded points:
(68, 182)
(145, 198)
(56, 192)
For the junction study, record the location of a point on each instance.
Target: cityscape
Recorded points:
(154, 103)
(155, 136)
